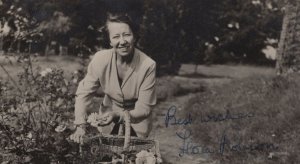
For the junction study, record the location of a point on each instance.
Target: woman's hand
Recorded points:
(108, 118)
(77, 136)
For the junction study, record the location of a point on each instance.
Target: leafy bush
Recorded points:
(35, 115)
(274, 103)
(37, 110)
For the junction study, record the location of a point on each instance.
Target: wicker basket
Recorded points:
(101, 147)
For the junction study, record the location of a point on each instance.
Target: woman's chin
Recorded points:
(123, 53)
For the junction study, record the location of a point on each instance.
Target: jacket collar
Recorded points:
(132, 67)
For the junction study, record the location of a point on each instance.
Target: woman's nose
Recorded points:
(123, 40)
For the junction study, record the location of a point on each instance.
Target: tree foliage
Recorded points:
(246, 28)
(171, 30)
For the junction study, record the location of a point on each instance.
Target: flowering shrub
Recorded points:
(146, 157)
(96, 120)
(93, 119)
(35, 116)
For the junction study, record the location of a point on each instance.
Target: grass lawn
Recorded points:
(68, 63)
(241, 114)
(249, 120)
(225, 71)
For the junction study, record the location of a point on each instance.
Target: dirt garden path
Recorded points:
(170, 143)
(209, 76)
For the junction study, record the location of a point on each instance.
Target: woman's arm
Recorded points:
(147, 97)
(85, 92)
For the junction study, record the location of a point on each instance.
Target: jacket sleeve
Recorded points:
(85, 92)
(147, 97)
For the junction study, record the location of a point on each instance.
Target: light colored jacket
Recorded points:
(136, 93)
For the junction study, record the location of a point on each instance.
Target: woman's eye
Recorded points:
(115, 37)
(127, 34)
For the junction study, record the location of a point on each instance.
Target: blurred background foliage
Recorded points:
(172, 31)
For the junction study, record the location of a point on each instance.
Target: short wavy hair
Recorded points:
(121, 18)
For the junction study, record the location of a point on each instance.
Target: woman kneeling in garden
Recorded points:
(127, 77)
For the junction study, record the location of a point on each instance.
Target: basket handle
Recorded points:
(127, 129)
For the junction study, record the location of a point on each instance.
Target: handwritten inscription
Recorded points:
(190, 148)
(223, 117)
(172, 119)
(224, 142)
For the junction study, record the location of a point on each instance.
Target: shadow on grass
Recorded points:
(184, 91)
(200, 75)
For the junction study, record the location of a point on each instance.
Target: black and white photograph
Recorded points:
(149, 81)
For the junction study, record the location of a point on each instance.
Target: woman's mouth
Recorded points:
(123, 48)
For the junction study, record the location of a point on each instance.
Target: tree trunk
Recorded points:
(196, 68)
(1, 45)
(288, 54)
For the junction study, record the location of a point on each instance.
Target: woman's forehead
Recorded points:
(118, 27)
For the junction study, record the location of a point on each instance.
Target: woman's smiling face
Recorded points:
(121, 38)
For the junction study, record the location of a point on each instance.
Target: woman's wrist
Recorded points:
(81, 126)
(80, 118)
